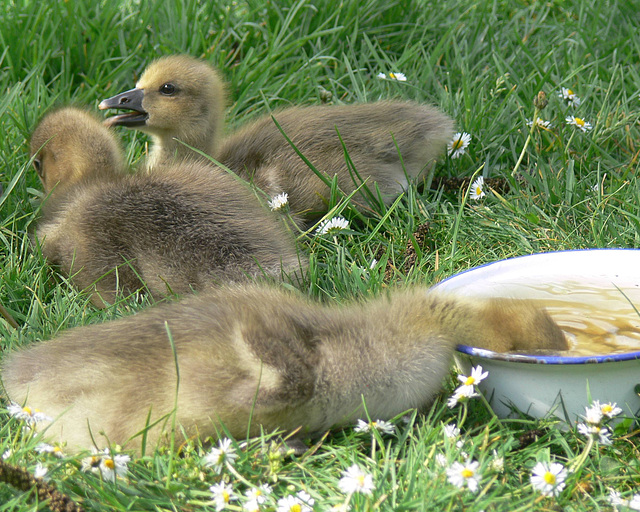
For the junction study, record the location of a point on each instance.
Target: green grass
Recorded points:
(483, 63)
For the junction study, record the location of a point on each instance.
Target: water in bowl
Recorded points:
(597, 320)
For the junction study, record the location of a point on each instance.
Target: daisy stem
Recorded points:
(486, 487)
(347, 501)
(242, 479)
(456, 226)
(534, 123)
(577, 464)
(566, 149)
(489, 408)
(464, 415)
(373, 446)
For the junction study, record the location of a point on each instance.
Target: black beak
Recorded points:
(129, 100)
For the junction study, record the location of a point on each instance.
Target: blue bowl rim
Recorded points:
(540, 359)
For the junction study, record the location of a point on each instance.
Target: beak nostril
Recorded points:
(124, 101)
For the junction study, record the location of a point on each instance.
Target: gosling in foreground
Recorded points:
(253, 358)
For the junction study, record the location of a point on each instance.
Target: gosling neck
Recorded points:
(171, 148)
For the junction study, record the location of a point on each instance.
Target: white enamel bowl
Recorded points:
(543, 385)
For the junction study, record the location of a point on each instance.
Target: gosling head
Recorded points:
(177, 97)
(69, 145)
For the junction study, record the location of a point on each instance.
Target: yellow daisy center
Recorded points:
(569, 92)
(296, 508)
(392, 75)
(361, 480)
(457, 144)
(579, 122)
(606, 408)
(28, 410)
(550, 478)
(471, 380)
(467, 473)
(225, 496)
(110, 464)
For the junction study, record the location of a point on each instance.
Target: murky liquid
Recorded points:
(596, 320)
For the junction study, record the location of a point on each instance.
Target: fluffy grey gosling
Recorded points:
(188, 227)
(252, 357)
(179, 97)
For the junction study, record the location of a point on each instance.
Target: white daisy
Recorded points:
(222, 495)
(7, 454)
(600, 434)
(113, 466)
(381, 426)
(441, 459)
(27, 414)
(296, 503)
(593, 414)
(461, 394)
(109, 466)
(465, 474)
(477, 189)
(548, 478)
(355, 480)
(259, 494)
(399, 77)
(305, 497)
(47, 448)
(219, 456)
(458, 145)
(278, 202)
(540, 123)
(615, 499)
(92, 463)
(497, 464)
(332, 226)
(251, 506)
(579, 123)
(451, 431)
(634, 503)
(41, 472)
(609, 409)
(362, 426)
(477, 376)
(570, 97)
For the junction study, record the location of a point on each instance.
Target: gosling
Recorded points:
(81, 146)
(189, 227)
(389, 143)
(253, 358)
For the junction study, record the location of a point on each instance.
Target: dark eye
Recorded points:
(167, 89)
(38, 166)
